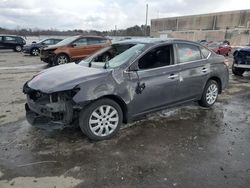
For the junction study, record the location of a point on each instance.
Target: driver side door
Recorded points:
(160, 75)
(78, 48)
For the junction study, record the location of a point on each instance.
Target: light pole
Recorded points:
(146, 20)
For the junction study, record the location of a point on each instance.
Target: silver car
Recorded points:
(123, 82)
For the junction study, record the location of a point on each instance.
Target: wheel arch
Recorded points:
(63, 53)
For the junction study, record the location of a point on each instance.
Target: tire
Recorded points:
(61, 59)
(210, 94)
(237, 71)
(101, 127)
(18, 48)
(34, 51)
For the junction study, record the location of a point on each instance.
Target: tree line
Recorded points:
(131, 31)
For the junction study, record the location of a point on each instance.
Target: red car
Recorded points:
(222, 49)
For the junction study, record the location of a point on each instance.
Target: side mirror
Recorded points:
(72, 45)
(42, 43)
(33, 42)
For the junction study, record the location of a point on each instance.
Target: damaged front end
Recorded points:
(54, 108)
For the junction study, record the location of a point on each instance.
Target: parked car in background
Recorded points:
(204, 42)
(73, 49)
(219, 48)
(141, 76)
(241, 61)
(12, 42)
(35, 47)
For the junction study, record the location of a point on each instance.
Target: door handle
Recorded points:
(204, 70)
(173, 76)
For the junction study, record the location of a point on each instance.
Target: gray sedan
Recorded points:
(123, 82)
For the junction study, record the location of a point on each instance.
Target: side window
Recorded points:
(10, 38)
(48, 42)
(205, 52)
(188, 52)
(81, 42)
(1, 38)
(93, 41)
(56, 41)
(158, 57)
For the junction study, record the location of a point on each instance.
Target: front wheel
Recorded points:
(101, 119)
(61, 59)
(35, 52)
(210, 94)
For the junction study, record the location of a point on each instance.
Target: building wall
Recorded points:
(232, 25)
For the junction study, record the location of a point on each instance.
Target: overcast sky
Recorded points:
(102, 14)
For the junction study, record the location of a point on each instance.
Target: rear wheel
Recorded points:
(61, 59)
(18, 48)
(210, 94)
(101, 119)
(237, 71)
(35, 51)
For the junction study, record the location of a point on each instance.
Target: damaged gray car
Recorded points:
(124, 82)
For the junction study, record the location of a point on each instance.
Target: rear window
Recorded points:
(96, 41)
(188, 52)
(8, 38)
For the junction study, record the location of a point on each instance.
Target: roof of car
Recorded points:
(152, 41)
(10, 35)
(91, 36)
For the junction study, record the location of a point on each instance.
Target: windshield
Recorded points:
(112, 56)
(40, 41)
(67, 40)
(125, 56)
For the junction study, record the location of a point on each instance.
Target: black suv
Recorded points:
(241, 61)
(35, 47)
(12, 42)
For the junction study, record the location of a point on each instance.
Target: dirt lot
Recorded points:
(185, 147)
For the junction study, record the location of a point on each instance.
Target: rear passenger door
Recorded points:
(95, 44)
(194, 71)
(9, 42)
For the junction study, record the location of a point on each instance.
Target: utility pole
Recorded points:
(146, 20)
(115, 30)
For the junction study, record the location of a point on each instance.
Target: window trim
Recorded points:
(149, 49)
(178, 58)
(198, 46)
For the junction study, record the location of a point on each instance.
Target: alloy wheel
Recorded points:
(104, 120)
(212, 93)
(62, 59)
(35, 52)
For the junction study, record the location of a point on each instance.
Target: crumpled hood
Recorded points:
(65, 77)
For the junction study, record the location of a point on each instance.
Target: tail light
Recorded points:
(226, 62)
